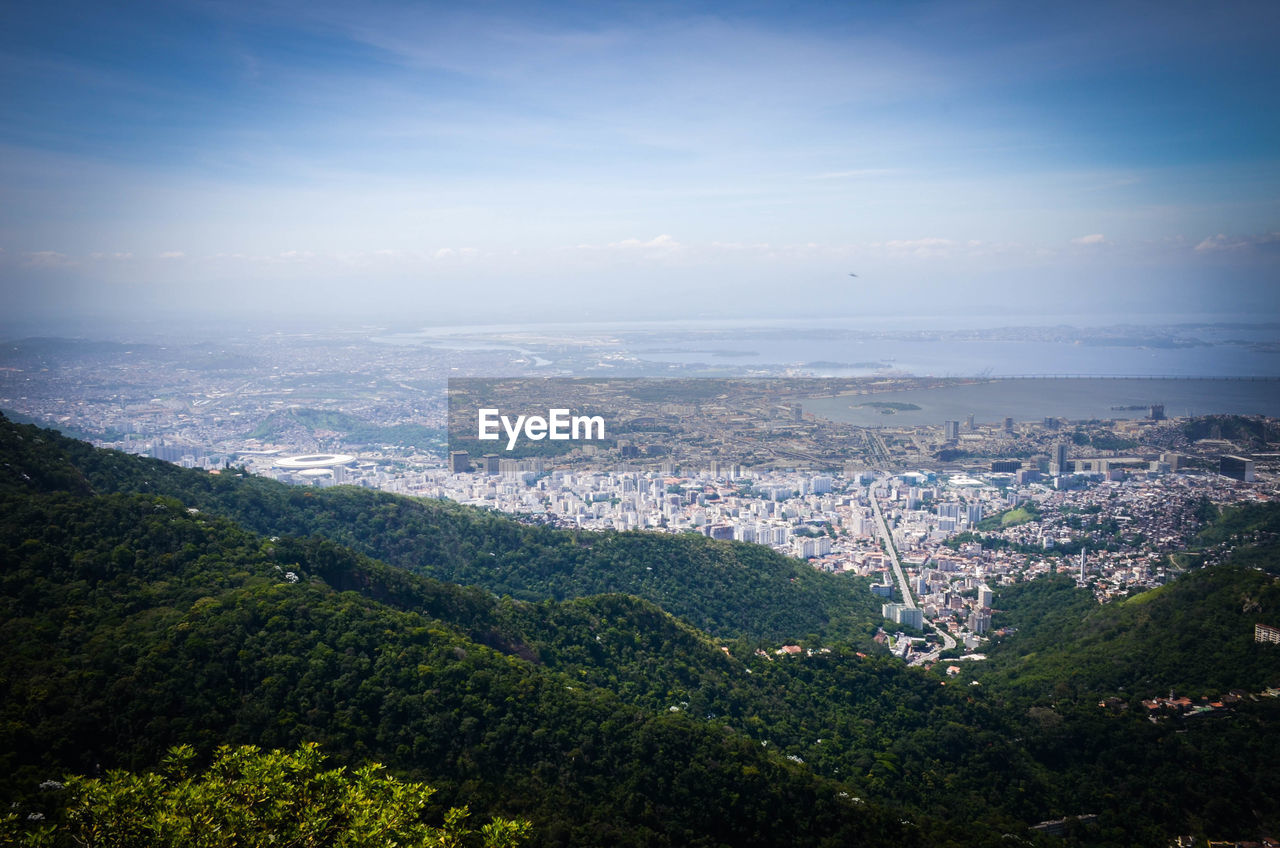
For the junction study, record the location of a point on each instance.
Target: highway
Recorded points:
(948, 642)
(899, 575)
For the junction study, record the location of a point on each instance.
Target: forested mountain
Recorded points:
(726, 588)
(144, 605)
(131, 625)
(1194, 635)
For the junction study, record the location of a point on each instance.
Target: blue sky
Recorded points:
(433, 162)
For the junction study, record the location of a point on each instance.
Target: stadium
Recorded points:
(315, 460)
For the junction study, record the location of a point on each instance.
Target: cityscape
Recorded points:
(640, 425)
(934, 515)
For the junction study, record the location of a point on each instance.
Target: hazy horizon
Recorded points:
(159, 326)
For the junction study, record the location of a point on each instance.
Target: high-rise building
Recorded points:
(492, 464)
(985, 596)
(459, 462)
(951, 430)
(1060, 454)
(1058, 460)
(1008, 425)
(1237, 468)
(174, 453)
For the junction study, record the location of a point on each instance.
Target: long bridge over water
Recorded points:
(1246, 379)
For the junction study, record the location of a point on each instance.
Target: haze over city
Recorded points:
(432, 164)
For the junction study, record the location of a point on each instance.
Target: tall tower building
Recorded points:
(1237, 468)
(1058, 461)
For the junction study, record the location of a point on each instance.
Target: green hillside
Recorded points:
(133, 621)
(1194, 635)
(726, 588)
(132, 624)
(347, 430)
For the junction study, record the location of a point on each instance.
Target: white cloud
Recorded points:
(857, 173)
(451, 252)
(48, 259)
(928, 246)
(658, 245)
(1092, 238)
(1222, 242)
(662, 242)
(173, 254)
(735, 248)
(930, 241)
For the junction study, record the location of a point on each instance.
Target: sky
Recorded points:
(430, 163)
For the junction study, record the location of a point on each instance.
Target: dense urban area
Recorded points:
(935, 515)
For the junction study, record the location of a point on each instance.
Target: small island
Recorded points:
(889, 407)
